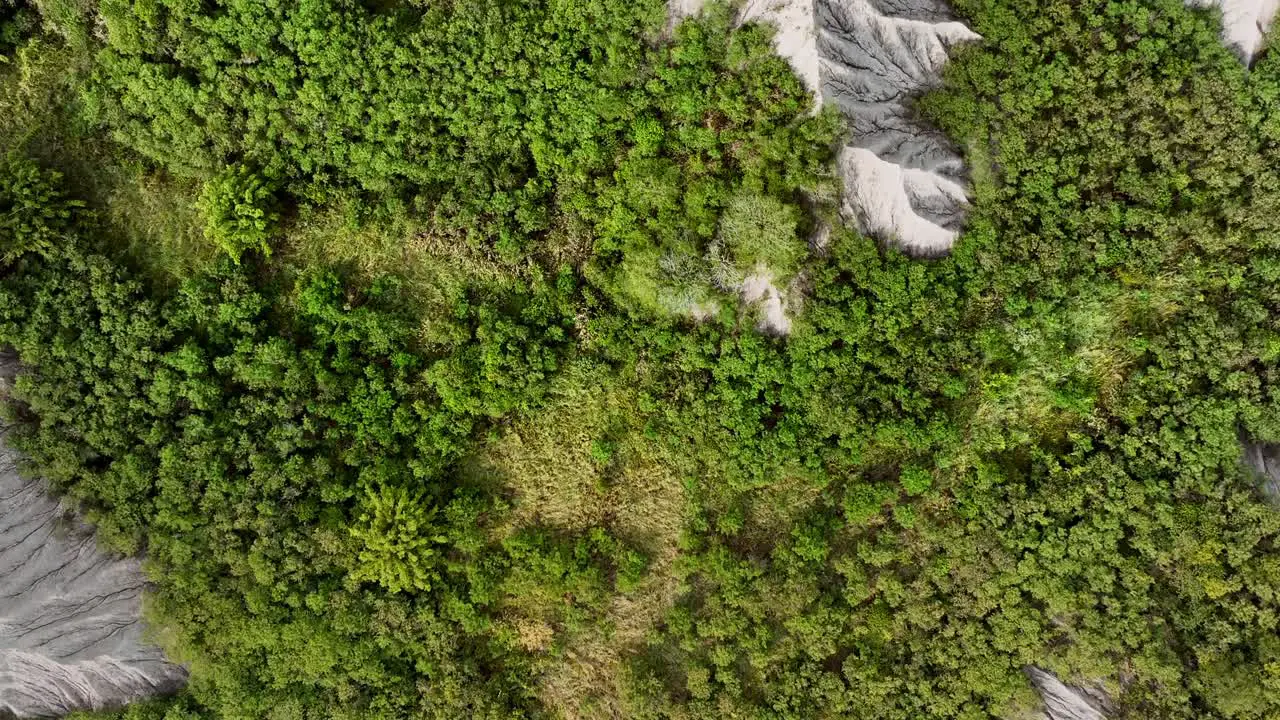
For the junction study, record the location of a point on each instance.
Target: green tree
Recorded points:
(398, 540)
(239, 208)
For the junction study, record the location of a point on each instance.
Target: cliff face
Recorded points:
(70, 625)
(1064, 702)
(904, 182)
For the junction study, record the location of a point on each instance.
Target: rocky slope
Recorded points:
(70, 626)
(1064, 702)
(904, 182)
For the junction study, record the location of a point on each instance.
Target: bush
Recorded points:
(17, 22)
(760, 230)
(398, 540)
(34, 214)
(239, 207)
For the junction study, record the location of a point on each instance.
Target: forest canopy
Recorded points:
(395, 336)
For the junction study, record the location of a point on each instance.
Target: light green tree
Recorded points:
(239, 209)
(396, 529)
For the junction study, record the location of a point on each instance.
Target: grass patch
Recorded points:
(147, 217)
(585, 463)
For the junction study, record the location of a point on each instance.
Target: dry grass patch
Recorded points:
(584, 463)
(435, 270)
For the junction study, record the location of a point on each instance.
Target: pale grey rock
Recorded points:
(1066, 702)
(772, 303)
(796, 38)
(678, 10)
(70, 613)
(1264, 459)
(905, 183)
(1245, 23)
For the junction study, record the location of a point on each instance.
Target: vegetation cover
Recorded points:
(372, 326)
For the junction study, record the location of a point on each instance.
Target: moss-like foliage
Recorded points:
(18, 21)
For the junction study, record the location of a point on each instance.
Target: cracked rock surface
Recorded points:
(1065, 702)
(905, 183)
(70, 614)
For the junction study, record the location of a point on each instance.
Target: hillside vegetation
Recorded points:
(372, 325)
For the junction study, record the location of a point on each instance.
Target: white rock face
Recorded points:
(890, 201)
(1244, 22)
(905, 183)
(758, 289)
(70, 625)
(678, 10)
(1063, 702)
(796, 38)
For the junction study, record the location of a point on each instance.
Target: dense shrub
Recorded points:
(264, 460)
(239, 210)
(18, 20)
(504, 121)
(34, 214)
(1027, 453)
(760, 230)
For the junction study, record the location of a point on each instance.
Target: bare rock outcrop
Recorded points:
(1264, 459)
(1245, 23)
(70, 614)
(772, 303)
(1066, 702)
(905, 183)
(796, 38)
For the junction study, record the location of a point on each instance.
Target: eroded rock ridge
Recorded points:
(904, 182)
(1067, 702)
(70, 614)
